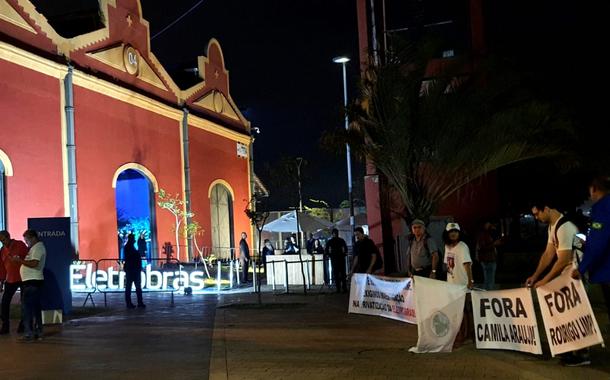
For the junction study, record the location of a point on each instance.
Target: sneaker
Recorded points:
(575, 361)
(25, 339)
(131, 306)
(141, 306)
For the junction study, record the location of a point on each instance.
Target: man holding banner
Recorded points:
(560, 241)
(559, 244)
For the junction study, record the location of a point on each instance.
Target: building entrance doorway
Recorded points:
(135, 209)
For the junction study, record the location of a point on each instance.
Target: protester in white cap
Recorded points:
(459, 272)
(457, 257)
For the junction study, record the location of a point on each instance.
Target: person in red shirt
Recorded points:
(10, 248)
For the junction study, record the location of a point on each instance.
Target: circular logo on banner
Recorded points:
(440, 324)
(131, 60)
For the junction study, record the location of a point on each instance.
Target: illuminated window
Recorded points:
(221, 205)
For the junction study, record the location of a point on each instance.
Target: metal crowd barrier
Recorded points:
(327, 272)
(159, 275)
(153, 282)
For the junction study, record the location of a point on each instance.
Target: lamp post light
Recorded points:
(343, 61)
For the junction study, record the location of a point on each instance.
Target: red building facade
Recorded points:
(77, 112)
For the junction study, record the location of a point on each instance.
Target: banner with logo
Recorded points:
(387, 297)
(439, 307)
(55, 235)
(569, 321)
(505, 319)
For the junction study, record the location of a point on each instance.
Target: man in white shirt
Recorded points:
(32, 278)
(560, 243)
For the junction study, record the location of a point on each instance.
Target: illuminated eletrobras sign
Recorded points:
(84, 278)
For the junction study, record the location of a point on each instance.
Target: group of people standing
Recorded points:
(421, 256)
(21, 268)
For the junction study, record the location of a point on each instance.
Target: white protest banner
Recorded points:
(388, 297)
(569, 321)
(505, 320)
(439, 307)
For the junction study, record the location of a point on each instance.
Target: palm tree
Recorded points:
(432, 134)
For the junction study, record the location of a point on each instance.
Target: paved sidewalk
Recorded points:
(159, 342)
(313, 337)
(229, 336)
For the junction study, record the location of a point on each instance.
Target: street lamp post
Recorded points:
(343, 61)
(298, 211)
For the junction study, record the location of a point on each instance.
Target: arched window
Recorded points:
(221, 205)
(6, 170)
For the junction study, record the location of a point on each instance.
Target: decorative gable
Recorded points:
(129, 60)
(215, 101)
(9, 14)
(121, 50)
(213, 93)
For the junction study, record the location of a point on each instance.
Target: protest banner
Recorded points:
(387, 297)
(569, 321)
(439, 307)
(505, 320)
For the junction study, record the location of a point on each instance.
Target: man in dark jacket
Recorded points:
(133, 272)
(244, 256)
(366, 254)
(596, 258)
(336, 249)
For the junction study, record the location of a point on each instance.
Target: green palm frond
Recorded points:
(430, 136)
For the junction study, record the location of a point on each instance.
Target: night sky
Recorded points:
(279, 56)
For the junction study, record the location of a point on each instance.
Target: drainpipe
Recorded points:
(374, 35)
(187, 174)
(71, 150)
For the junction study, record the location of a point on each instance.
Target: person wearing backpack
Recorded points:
(559, 244)
(561, 233)
(421, 255)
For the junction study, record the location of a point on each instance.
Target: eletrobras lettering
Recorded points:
(83, 277)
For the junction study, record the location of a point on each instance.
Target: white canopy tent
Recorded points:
(288, 223)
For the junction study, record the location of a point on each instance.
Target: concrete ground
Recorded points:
(231, 336)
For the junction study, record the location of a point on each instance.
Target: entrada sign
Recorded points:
(83, 278)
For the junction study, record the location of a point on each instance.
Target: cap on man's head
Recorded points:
(452, 226)
(418, 222)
